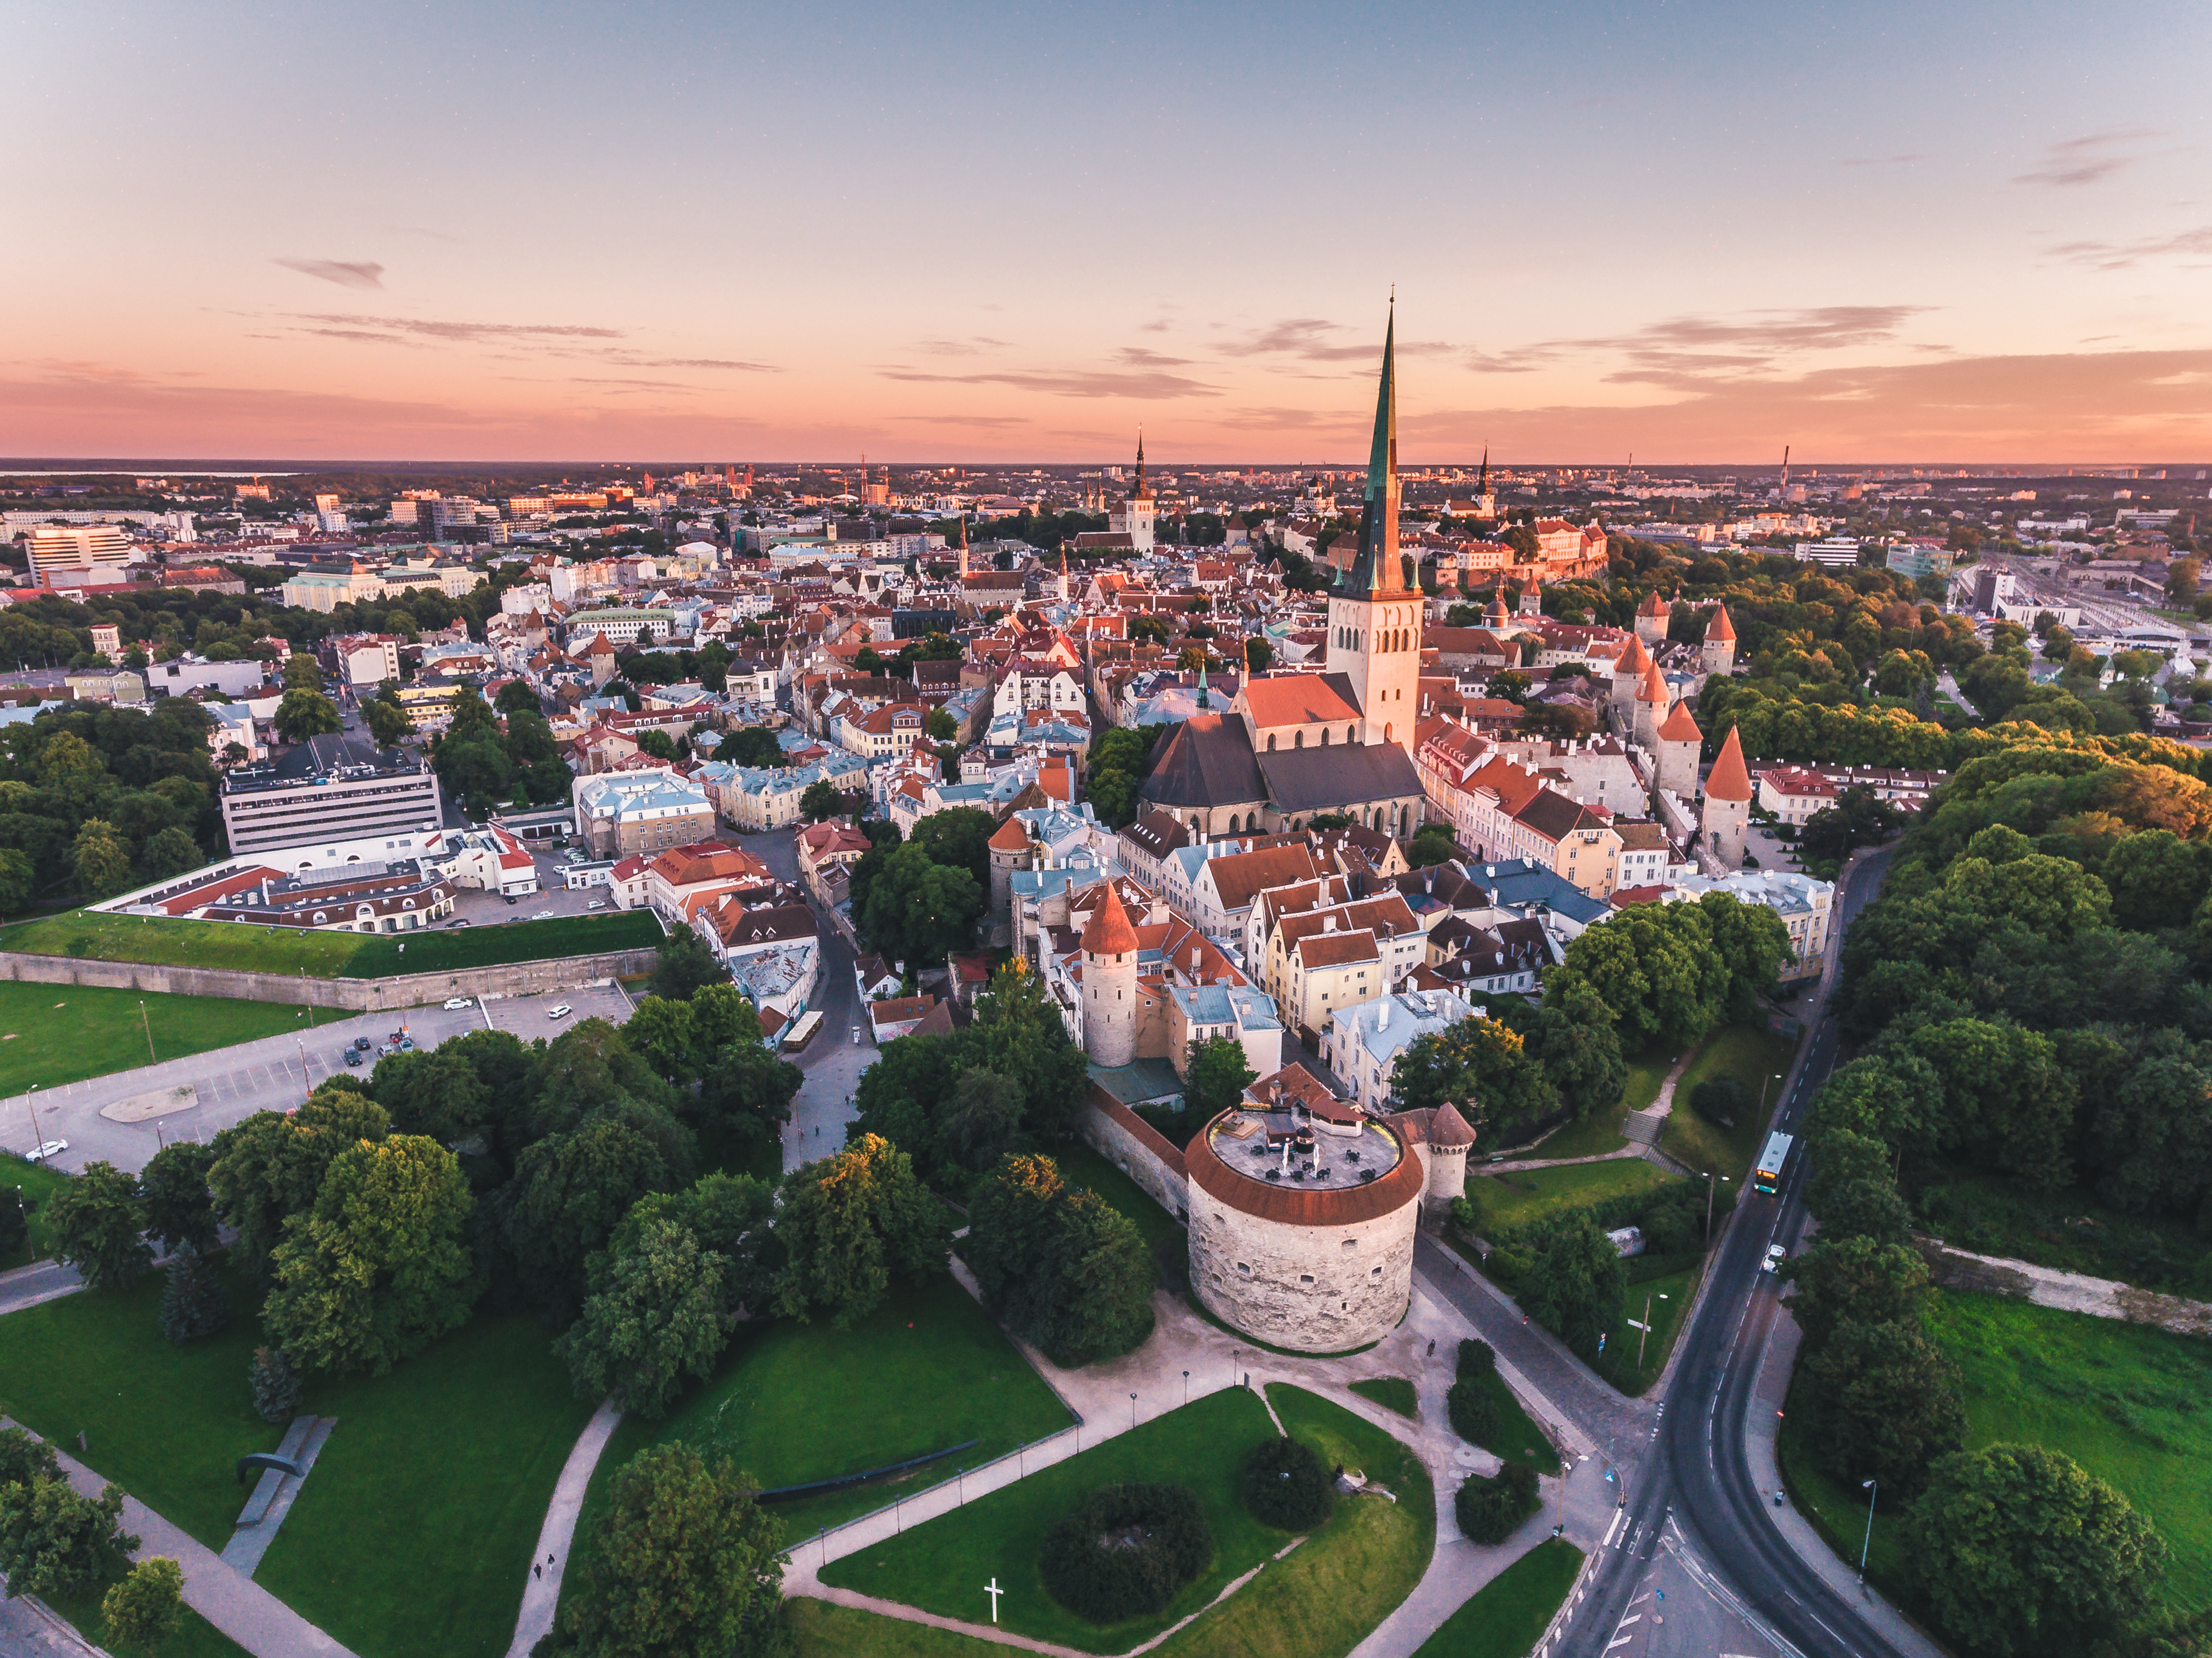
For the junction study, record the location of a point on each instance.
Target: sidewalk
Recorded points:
(248, 1614)
(541, 1591)
(42, 1280)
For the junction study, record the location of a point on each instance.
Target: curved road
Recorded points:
(1696, 1476)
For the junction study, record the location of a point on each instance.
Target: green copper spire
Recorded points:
(1376, 568)
(1202, 702)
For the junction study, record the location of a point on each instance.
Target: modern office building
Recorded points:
(330, 790)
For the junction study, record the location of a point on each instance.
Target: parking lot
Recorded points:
(552, 898)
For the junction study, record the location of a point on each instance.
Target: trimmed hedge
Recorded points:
(1092, 1565)
(1477, 1358)
(1286, 1487)
(1490, 1510)
(1473, 1409)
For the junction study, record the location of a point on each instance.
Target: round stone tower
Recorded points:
(1717, 654)
(1449, 1141)
(1109, 983)
(1651, 619)
(1627, 674)
(1010, 850)
(1726, 821)
(1675, 761)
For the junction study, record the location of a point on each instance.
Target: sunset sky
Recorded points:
(1693, 232)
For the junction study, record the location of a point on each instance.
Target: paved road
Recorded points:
(833, 1062)
(273, 1074)
(1693, 1490)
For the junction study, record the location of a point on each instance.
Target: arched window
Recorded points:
(1324, 737)
(1297, 739)
(1271, 741)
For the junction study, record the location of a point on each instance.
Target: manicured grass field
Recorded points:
(821, 1628)
(1513, 1199)
(29, 1184)
(89, 935)
(1518, 1439)
(942, 1565)
(196, 1638)
(1079, 1165)
(55, 1034)
(1749, 1054)
(1392, 1393)
(412, 1537)
(792, 1403)
(1508, 1614)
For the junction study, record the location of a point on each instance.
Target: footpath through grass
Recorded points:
(414, 1535)
(1508, 1614)
(55, 1034)
(1600, 1132)
(792, 1402)
(89, 935)
(1752, 1055)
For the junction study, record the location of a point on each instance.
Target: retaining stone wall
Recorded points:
(354, 995)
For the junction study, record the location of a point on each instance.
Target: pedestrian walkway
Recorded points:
(274, 1493)
(42, 1280)
(235, 1604)
(541, 1591)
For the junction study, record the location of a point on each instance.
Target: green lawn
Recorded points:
(1600, 1132)
(792, 1403)
(822, 1629)
(55, 1034)
(29, 1184)
(1513, 1199)
(196, 1638)
(1392, 1393)
(1508, 1614)
(413, 1535)
(1670, 1300)
(89, 935)
(2126, 1402)
(1749, 1054)
(1518, 1439)
(942, 1565)
(2070, 1228)
(1079, 1165)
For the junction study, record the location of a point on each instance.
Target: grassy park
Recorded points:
(1518, 1439)
(50, 1034)
(195, 1637)
(29, 1184)
(1508, 1614)
(87, 935)
(1669, 1299)
(792, 1402)
(414, 1535)
(1079, 1165)
(1516, 1198)
(1392, 1393)
(1318, 1602)
(1752, 1055)
(1600, 1131)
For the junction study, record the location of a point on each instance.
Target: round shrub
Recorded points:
(1285, 1486)
(1490, 1510)
(1477, 1357)
(1125, 1551)
(1473, 1409)
(1723, 1100)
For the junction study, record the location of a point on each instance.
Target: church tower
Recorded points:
(1063, 575)
(1136, 516)
(1109, 983)
(964, 546)
(1374, 622)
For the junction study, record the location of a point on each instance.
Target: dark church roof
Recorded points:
(1321, 780)
(1207, 763)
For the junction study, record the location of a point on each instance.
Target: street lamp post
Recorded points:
(1866, 1544)
(1132, 1410)
(1186, 1387)
(1711, 1175)
(148, 1024)
(31, 1099)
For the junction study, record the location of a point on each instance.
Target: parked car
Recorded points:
(462, 921)
(45, 1148)
(454, 1003)
(559, 1011)
(1775, 1253)
(597, 903)
(353, 1056)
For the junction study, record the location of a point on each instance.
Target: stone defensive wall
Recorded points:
(1137, 1149)
(353, 995)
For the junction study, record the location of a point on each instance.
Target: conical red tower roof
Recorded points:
(1654, 605)
(1634, 659)
(1718, 627)
(1680, 727)
(1729, 780)
(1654, 688)
(1011, 836)
(1108, 933)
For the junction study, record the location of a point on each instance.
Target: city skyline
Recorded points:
(1972, 238)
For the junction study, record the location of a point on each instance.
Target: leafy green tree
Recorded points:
(1852, 1192)
(1752, 942)
(753, 746)
(657, 744)
(919, 911)
(1490, 1509)
(940, 726)
(148, 1606)
(470, 718)
(1855, 1281)
(100, 858)
(271, 1165)
(1883, 1403)
(388, 722)
(688, 1566)
(97, 1224)
(193, 1303)
(1481, 1066)
(1217, 1077)
(1655, 967)
(171, 851)
(174, 1186)
(516, 697)
(851, 1223)
(305, 713)
(1019, 1033)
(377, 1269)
(683, 965)
(433, 1091)
(820, 800)
(656, 1310)
(19, 880)
(1572, 1283)
(23, 1459)
(54, 1543)
(958, 839)
(1062, 1267)
(276, 1385)
(2018, 1549)
(303, 673)
(1858, 819)
(1433, 844)
(570, 1190)
(982, 1119)
(2006, 1098)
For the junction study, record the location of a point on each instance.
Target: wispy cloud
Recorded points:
(2085, 160)
(1135, 356)
(346, 273)
(1884, 160)
(1309, 338)
(1071, 382)
(396, 330)
(1684, 349)
(973, 346)
(994, 422)
(2119, 256)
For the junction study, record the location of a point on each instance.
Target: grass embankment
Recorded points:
(2071, 1230)
(1515, 1199)
(1319, 1602)
(792, 1402)
(414, 1535)
(2124, 1401)
(1754, 1056)
(29, 1184)
(1392, 1393)
(87, 935)
(1600, 1132)
(1079, 1165)
(1669, 1299)
(50, 1034)
(196, 1638)
(1508, 1614)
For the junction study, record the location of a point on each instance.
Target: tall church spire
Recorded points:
(1139, 493)
(1482, 483)
(1376, 568)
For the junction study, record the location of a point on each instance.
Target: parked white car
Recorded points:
(453, 1005)
(45, 1148)
(559, 1011)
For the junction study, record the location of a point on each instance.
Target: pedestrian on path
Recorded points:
(537, 1570)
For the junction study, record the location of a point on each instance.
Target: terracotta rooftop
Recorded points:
(1729, 779)
(1680, 727)
(1108, 933)
(1719, 626)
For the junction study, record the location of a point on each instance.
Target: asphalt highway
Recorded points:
(1692, 1489)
